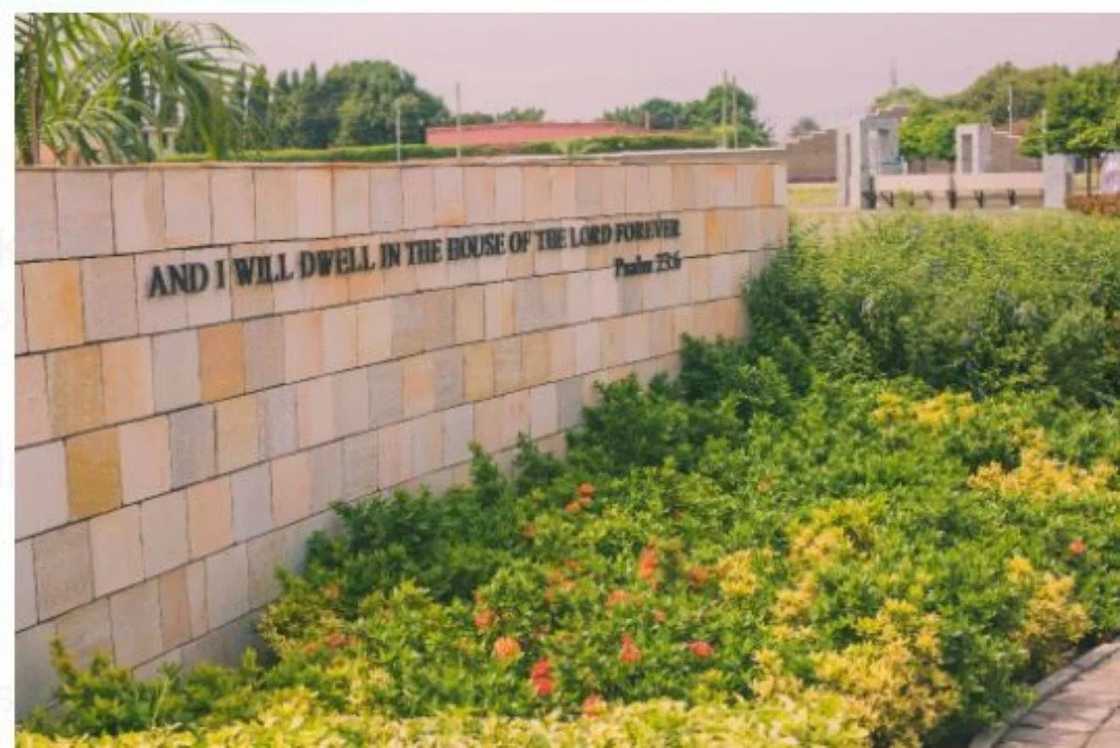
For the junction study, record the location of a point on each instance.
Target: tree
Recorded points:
(910, 97)
(513, 114)
(988, 94)
(1082, 117)
(804, 126)
(257, 110)
(700, 114)
(929, 132)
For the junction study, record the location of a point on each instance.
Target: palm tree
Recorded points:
(87, 85)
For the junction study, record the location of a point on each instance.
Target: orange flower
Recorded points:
(659, 616)
(647, 564)
(630, 653)
(698, 576)
(701, 649)
(586, 489)
(584, 501)
(484, 619)
(573, 506)
(542, 686)
(1077, 547)
(617, 597)
(540, 676)
(593, 706)
(506, 649)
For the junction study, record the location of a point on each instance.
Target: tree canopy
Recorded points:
(804, 126)
(698, 114)
(929, 132)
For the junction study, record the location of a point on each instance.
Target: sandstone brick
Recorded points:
(426, 443)
(291, 488)
(448, 377)
(386, 210)
(86, 632)
(359, 465)
(418, 201)
(192, 445)
(276, 210)
(315, 411)
(331, 290)
(136, 624)
(32, 417)
(93, 472)
(40, 489)
(684, 191)
(145, 459)
(543, 410)
(516, 416)
(509, 202)
(36, 230)
(351, 401)
(177, 380)
(263, 341)
(340, 338)
(221, 361)
(479, 194)
(85, 218)
(251, 494)
(588, 348)
(237, 432)
(638, 198)
(488, 419)
(385, 393)
(196, 596)
(764, 185)
(478, 371)
(351, 200)
(589, 191)
(367, 285)
(508, 361)
(53, 304)
(19, 318)
(25, 609)
(374, 322)
(660, 187)
(438, 319)
(470, 314)
(536, 359)
(699, 279)
(163, 527)
(569, 402)
(562, 353)
(214, 304)
(537, 192)
(232, 197)
(520, 264)
(158, 313)
(106, 282)
(278, 430)
(606, 294)
(563, 188)
(33, 670)
(313, 202)
(614, 190)
(500, 310)
(257, 298)
(126, 370)
(326, 477)
(303, 345)
(186, 207)
(174, 608)
(527, 305)
(118, 559)
(407, 325)
(458, 433)
(138, 222)
(209, 516)
(578, 304)
(450, 205)
(63, 573)
(394, 454)
(418, 385)
(265, 555)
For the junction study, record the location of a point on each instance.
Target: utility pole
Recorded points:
(1010, 109)
(397, 104)
(734, 112)
(1044, 132)
(458, 123)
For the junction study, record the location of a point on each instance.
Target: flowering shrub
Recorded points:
(778, 556)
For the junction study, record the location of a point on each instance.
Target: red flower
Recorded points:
(659, 616)
(701, 649)
(484, 619)
(586, 489)
(618, 597)
(698, 575)
(1077, 547)
(540, 676)
(594, 705)
(506, 648)
(573, 506)
(630, 653)
(542, 668)
(647, 564)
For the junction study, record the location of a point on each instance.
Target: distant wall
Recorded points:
(515, 133)
(812, 158)
(206, 356)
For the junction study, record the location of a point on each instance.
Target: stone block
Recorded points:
(118, 559)
(612, 342)
(221, 361)
(313, 202)
(177, 381)
(32, 419)
(543, 410)
(174, 608)
(478, 371)
(278, 430)
(145, 458)
(536, 359)
(340, 338)
(683, 190)
(33, 670)
(20, 319)
(699, 279)
(351, 200)
(350, 397)
(196, 595)
(563, 187)
(447, 367)
(209, 517)
(408, 325)
(36, 230)
(516, 416)
(291, 488)
(214, 304)
(426, 442)
(138, 221)
(237, 432)
(660, 187)
(488, 417)
(606, 293)
(418, 201)
(509, 198)
(386, 211)
(85, 216)
(87, 632)
(479, 194)
(186, 207)
(562, 353)
(251, 494)
(569, 402)
(263, 341)
(638, 197)
(159, 313)
(385, 393)
(40, 489)
(232, 197)
(303, 345)
(438, 319)
(277, 209)
(500, 310)
(589, 191)
(394, 454)
(507, 361)
(264, 555)
(418, 385)
(763, 192)
(63, 574)
(780, 196)
(588, 348)
(106, 281)
(614, 190)
(52, 298)
(458, 433)
(470, 314)
(126, 371)
(163, 527)
(227, 585)
(258, 298)
(537, 192)
(93, 472)
(450, 204)
(25, 609)
(374, 322)
(192, 445)
(359, 466)
(315, 411)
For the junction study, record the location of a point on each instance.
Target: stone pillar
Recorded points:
(974, 148)
(1057, 179)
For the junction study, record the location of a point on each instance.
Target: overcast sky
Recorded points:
(577, 66)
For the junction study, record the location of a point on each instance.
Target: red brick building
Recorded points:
(516, 133)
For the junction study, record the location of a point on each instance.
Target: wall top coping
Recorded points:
(691, 156)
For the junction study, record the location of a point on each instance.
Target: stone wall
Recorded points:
(176, 443)
(812, 158)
